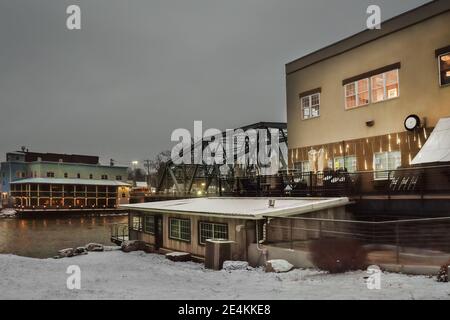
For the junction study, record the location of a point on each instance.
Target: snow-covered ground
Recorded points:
(137, 275)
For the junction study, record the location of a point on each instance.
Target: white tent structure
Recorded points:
(437, 147)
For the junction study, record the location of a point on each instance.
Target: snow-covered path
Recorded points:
(136, 275)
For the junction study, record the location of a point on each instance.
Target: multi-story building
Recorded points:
(350, 100)
(48, 180)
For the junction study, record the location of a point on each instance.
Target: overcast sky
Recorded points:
(139, 69)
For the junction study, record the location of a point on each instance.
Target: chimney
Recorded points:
(271, 203)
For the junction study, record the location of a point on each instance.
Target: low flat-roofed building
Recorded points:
(185, 225)
(58, 194)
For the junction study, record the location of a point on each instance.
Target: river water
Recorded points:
(43, 237)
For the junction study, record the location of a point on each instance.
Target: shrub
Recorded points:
(338, 255)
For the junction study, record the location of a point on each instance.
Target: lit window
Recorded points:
(385, 161)
(357, 94)
(180, 229)
(149, 224)
(215, 231)
(310, 106)
(385, 86)
(348, 163)
(444, 69)
(136, 223)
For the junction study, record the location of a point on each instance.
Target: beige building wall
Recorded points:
(420, 93)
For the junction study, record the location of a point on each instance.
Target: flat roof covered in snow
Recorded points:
(249, 208)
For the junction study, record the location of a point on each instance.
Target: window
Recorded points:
(91, 176)
(104, 177)
(50, 174)
(136, 223)
(180, 229)
(385, 86)
(212, 231)
(310, 106)
(149, 224)
(118, 178)
(384, 161)
(78, 176)
(303, 166)
(349, 163)
(357, 94)
(66, 175)
(444, 69)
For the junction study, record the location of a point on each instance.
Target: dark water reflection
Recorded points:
(43, 237)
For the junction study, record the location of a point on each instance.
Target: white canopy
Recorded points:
(437, 147)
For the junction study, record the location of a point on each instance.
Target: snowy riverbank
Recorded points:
(136, 275)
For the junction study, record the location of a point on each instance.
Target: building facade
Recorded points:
(351, 99)
(60, 181)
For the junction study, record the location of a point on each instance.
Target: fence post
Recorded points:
(397, 242)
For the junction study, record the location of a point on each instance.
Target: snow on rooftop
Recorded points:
(247, 207)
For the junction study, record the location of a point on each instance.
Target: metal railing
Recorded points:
(411, 241)
(414, 181)
(119, 232)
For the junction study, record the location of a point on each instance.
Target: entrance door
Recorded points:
(158, 231)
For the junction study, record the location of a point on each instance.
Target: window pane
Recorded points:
(149, 224)
(350, 163)
(444, 64)
(315, 111)
(315, 99)
(180, 229)
(350, 102)
(306, 113)
(392, 84)
(363, 85)
(350, 90)
(305, 102)
(377, 88)
(339, 163)
(363, 98)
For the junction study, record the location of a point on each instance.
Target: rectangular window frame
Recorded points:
(381, 174)
(309, 99)
(357, 93)
(345, 160)
(179, 237)
(214, 225)
(385, 93)
(442, 71)
(148, 224)
(136, 223)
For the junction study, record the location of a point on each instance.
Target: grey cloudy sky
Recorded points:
(140, 68)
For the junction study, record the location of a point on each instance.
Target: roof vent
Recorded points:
(271, 203)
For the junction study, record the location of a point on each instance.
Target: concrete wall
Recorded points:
(420, 92)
